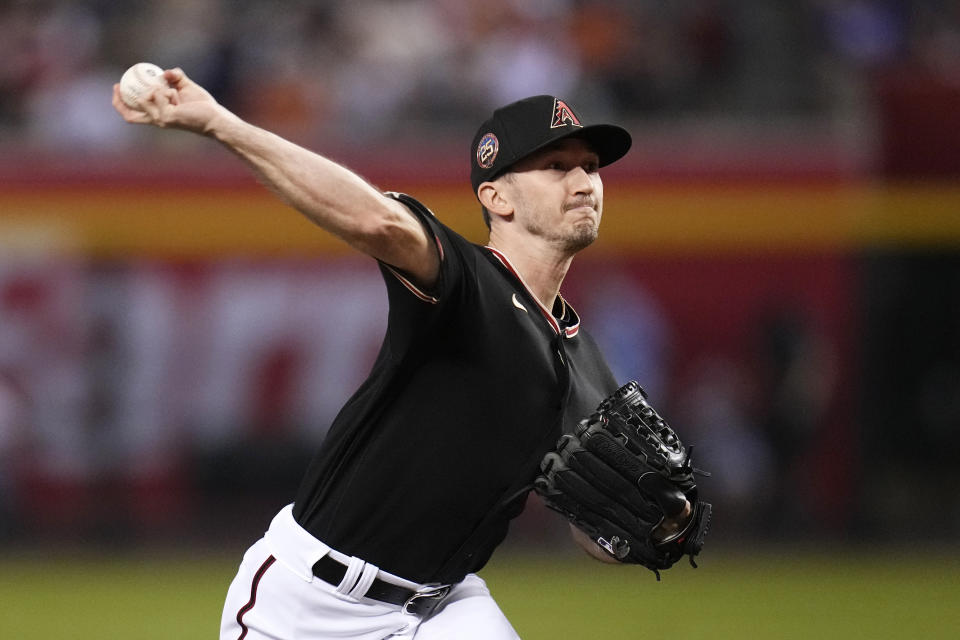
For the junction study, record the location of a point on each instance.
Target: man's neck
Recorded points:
(542, 270)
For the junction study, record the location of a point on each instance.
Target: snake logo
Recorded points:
(563, 115)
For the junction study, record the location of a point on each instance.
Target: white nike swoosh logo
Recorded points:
(517, 304)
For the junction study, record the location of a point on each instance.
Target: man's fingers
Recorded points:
(151, 108)
(130, 115)
(160, 97)
(172, 95)
(175, 77)
(177, 103)
(117, 102)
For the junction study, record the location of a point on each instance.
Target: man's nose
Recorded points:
(579, 180)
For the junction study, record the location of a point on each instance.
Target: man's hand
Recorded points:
(335, 198)
(183, 104)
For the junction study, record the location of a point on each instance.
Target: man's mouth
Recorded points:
(586, 203)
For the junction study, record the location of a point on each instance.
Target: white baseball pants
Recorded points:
(275, 596)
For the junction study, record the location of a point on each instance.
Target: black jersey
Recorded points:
(425, 465)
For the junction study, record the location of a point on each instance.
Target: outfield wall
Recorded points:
(202, 220)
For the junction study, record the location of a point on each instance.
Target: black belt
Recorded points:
(419, 603)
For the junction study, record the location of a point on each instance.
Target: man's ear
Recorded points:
(491, 197)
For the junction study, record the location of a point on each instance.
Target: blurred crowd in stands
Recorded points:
(368, 70)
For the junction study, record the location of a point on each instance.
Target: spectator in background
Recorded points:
(69, 71)
(706, 57)
(13, 423)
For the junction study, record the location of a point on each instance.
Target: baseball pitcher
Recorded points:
(486, 387)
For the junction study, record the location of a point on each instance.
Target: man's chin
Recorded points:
(584, 236)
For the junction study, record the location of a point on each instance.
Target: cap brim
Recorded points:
(609, 141)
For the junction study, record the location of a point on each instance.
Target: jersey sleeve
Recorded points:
(416, 313)
(455, 252)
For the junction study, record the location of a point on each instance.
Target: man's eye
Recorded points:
(556, 166)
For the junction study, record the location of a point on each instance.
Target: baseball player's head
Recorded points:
(519, 133)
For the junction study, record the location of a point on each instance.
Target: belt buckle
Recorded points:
(422, 603)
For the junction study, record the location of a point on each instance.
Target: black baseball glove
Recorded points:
(620, 476)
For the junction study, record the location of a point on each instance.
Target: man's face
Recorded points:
(558, 195)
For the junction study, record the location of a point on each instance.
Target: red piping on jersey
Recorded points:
(568, 332)
(253, 596)
(412, 287)
(406, 282)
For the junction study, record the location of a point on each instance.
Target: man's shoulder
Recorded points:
(440, 229)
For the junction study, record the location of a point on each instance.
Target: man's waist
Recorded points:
(420, 550)
(307, 556)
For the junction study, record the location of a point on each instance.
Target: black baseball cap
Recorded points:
(520, 128)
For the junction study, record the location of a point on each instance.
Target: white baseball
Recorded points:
(138, 81)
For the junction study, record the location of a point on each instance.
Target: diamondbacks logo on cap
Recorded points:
(487, 150)
(563, 115)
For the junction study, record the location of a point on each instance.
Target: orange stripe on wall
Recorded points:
(209, 221)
